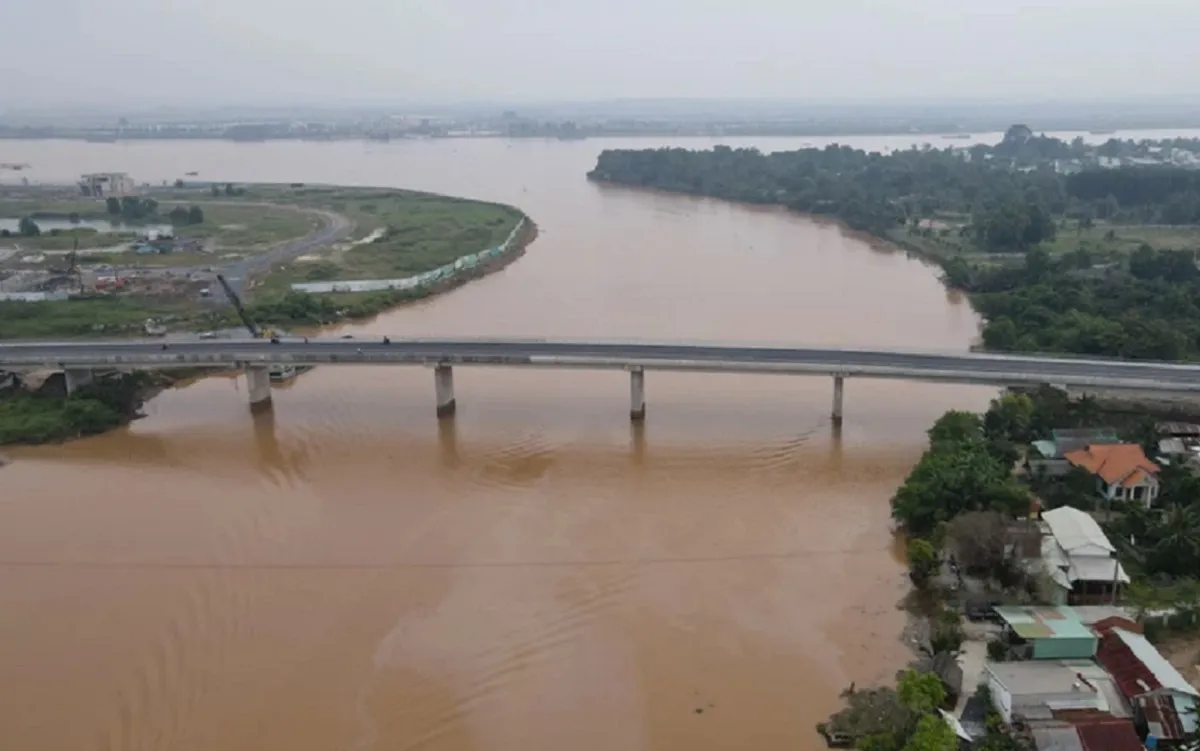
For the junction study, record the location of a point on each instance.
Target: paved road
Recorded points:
(960, 368)
(334, 227)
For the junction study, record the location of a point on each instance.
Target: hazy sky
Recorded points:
(342, 51)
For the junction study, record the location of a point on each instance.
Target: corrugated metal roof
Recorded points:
(1075, 529)
(1056, 737)
(1109, 735)
(1179, 428)
(1093, 568)
(1046, 448)
(1045, 622)
(1163, 672)
(1139, 671)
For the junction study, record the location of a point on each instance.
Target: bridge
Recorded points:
(80, 358)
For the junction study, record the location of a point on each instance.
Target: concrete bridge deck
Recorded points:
(633, 356)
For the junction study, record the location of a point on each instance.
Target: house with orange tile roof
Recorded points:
(1123, 473)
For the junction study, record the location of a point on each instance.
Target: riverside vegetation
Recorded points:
(1098, 262)
(1059, 255)
(33, 418)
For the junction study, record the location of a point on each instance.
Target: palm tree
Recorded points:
(1177, 550)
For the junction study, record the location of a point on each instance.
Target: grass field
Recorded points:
(247, 226)
(398, 234)
(101, 316)
(1105, 242)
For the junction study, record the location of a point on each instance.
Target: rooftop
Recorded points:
(1137, 666)
(1070, 439)
(1123, 463)
(1056, 736)
(1076, 530)
(1059, 622)
(1109, 735)
(1046, 677)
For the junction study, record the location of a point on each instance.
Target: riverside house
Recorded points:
(1122, 471)
(1079, 559)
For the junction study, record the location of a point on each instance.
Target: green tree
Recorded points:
(178, 216)
(195, 215)
(216, 191)
(28, 228)
(113, 204)
(932, 734)
(953, 479)
(1011, 417)
(920, 692)
(956, 272)
(956, 426)
(923, 561)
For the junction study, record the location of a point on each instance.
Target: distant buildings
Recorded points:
(105, 184)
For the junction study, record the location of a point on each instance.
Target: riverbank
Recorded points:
(1053, 262)
(47, 415)
(292, 308)
(250, 234)
(51, 417)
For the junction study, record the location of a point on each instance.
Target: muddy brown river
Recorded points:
(347, 573)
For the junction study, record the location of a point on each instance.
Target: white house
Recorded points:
(1077, 555)
(1122, 471)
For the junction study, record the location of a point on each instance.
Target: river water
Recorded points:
(347, 573)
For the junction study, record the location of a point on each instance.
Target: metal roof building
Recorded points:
(1052, 633)
(1167, 701)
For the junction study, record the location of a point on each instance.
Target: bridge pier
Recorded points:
(637, 394)
(258, 384)
(443, 381)
(74, 378)
(839, 384)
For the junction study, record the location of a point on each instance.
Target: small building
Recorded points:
(1049, 456)
(1079, 559)
(1038, 689)
(105, 184)
(1123, 473)
(1048, 633)
(1164, 704)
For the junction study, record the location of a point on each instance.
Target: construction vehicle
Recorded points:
(71, 273)
(277, 372)
(255, 331)
(152, 327)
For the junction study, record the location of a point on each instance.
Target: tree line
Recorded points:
(1010, 207)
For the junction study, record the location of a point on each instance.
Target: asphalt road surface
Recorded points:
(698, 356)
